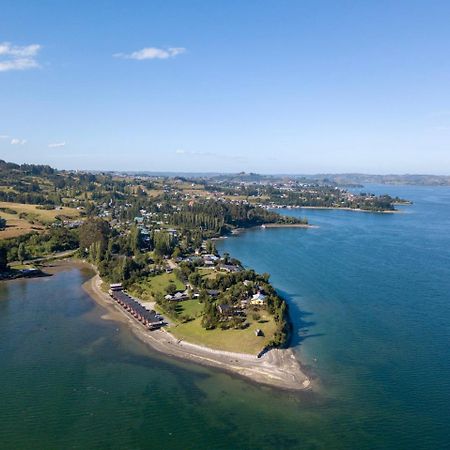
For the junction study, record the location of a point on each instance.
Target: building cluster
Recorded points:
(138, 310)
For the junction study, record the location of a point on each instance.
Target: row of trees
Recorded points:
(217, 217)
(35, 245)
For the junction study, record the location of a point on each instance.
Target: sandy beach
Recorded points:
(276, 368)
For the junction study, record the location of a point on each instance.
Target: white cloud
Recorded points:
(16, 57)
(56, 145)
(152, 53)
(4, 136)
(15, 141)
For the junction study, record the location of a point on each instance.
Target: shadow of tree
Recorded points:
(300, 319)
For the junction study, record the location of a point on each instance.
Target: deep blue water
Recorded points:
(370, 298)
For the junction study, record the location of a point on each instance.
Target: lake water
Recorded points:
(370, 299)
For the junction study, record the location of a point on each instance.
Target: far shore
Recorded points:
(395, 211)
(288, 225)
(237, 231)
(277, 368)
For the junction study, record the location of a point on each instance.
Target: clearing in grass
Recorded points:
(239, 341)
(148, 288)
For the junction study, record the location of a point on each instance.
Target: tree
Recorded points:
(210, 247)
(203, 296)
(195, 279)
(126, 268)
(94, 230)
(21, 253)
(3, 259)
(171, 288)
(210, 317)
(162, 242)
(135, 240)
(2, 223)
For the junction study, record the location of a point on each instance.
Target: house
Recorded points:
(210, 257)
(115, 287)
(258, 299)
(213, 292)
(225, 310)
(177, 297)
(259, 332)
(209, 260)
(229, 268)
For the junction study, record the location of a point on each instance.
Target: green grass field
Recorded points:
(155, 285)
(191, 308)
(209, 274)
(240, 341)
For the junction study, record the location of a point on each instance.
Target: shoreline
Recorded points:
(238, 231)
(277, 368)
(287, 225)
(395, 211)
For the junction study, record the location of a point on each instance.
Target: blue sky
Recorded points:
(264, 86)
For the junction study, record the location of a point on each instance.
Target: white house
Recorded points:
(258, 299)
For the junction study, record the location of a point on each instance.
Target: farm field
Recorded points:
(28, 218)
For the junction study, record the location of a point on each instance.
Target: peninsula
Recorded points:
(152, 239)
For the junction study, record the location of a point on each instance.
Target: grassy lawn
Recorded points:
(191, 308)
(240, 341)
(155, 284)
(209, 274)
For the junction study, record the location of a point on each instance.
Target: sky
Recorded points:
(227, 85)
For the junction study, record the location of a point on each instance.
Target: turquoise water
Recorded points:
(370, 298)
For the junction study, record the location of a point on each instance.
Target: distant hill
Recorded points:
(361, 179)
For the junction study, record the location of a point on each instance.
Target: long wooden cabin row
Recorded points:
(149, 318)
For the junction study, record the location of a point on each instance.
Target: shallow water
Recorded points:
(369, 296)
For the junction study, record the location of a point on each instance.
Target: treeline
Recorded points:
(117, 257)
(33, 198)
(329, 197)
(218, 217)
(35, 245)
(27, 169)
